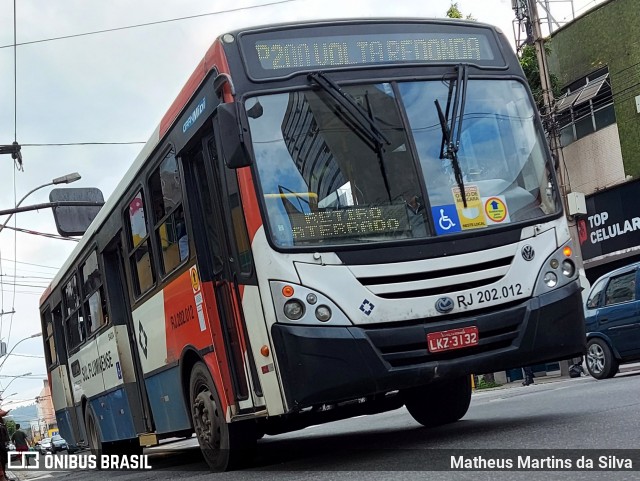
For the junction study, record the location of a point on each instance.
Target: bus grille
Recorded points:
(435, 278)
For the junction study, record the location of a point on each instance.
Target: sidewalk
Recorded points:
(624, 368)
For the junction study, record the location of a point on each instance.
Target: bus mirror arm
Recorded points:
(231, 131)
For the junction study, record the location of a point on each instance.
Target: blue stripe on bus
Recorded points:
(114, 416)
(165, 397)
(63, 418)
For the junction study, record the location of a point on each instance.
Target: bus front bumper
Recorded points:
(324, 365)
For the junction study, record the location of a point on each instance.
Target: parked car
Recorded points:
(612, 316)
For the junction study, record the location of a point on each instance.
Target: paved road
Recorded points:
(583, 415)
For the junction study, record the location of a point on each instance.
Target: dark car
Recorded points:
(612, 316)
(58, 443)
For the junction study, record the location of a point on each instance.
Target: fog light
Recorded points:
(293, 309)
(568, 268)
(550, 279)
(323, 313)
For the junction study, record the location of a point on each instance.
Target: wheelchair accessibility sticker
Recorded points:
(445, 218)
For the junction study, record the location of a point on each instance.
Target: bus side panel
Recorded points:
(63, 405)
(182, 314)
(114, 415)
(165, 396)
(185, 316)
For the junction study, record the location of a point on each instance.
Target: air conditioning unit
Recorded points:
(576, 203)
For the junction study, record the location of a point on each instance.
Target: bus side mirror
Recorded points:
(232, 132)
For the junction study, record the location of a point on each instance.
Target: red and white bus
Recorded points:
(333, 218)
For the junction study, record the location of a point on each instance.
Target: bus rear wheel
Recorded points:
(439, 403)
(224, 445)
(92, 429)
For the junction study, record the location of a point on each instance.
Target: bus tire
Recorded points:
(92, 429)
(225, 446)
(439, 403)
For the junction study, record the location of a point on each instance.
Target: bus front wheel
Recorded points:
(224, 445)
(439, 403)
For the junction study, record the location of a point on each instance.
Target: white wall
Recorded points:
(595, 161)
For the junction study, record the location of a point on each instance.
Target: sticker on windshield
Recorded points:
(495, 209)
(471, 216)
(445, 218)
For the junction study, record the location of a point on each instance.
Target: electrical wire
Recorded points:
(148, 24)
(42, 234)
(30, 264)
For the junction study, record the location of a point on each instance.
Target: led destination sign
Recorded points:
(267, 55)
(355, 222)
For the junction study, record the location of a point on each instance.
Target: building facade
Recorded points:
(596, 59)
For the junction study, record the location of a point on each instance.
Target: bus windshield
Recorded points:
(375, 168)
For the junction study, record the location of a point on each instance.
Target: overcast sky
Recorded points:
(115, 87)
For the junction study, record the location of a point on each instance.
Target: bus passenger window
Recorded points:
(93, 293)
(74, 321)
(168, 214)
(139, 253)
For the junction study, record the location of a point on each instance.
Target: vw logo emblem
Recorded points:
(444, 305)
(528, 253)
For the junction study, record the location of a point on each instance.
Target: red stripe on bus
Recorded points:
(214, 58)
(249, 202)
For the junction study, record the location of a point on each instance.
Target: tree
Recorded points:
(454, 12)
(11, 426)
(531, 68)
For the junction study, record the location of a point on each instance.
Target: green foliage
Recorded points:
(454, 12)
(483, 384)
(531, 68)
(11, 426)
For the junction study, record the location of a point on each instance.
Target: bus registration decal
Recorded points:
(453, 339)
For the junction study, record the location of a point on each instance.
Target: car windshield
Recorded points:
(329, 177)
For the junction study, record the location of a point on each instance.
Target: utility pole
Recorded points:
(547, 97)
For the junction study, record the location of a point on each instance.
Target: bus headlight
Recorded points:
(550, 279)
(301, 305)
(293, 309)
(323, 313)
(568, 268)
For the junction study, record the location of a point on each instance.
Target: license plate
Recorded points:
(453, 339)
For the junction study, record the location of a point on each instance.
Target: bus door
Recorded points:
(120, 310)
(216, 243)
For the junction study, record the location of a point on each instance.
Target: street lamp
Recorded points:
(65, 179)
(37, 334)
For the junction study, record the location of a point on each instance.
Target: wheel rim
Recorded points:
(205, 414)
(595, 359)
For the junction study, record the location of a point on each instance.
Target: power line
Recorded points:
(29, 263)
(148, 24)
(64, 144)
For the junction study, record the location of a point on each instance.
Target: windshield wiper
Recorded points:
(450, 147)
(359, 118)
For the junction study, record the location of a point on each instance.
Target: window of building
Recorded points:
(139, 250)
(95, 307)
(586, 107)
(76, 330)
(168, 214)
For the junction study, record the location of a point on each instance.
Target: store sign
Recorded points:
(612, 222)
